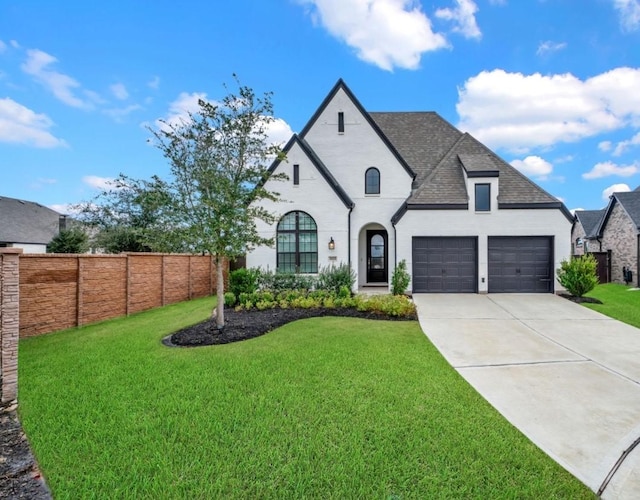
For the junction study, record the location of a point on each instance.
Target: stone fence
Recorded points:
(42, 293)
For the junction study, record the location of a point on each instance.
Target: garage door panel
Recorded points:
(444, 264)
(520, 264)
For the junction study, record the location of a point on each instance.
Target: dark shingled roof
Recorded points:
(27, 222)
(631, 203)
(421, 138)
(590, 219)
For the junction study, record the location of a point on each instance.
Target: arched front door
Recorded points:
(377, 253)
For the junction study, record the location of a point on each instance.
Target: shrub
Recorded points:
(276, 282)
(334, 278)
(400, 279)
(230, 299)
(243, 281)
(392, 305)
(578, 275)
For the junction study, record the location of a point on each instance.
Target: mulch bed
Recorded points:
(580, 300)
(244, 325)
(19, 473)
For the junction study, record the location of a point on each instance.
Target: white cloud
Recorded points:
(154, 83)
(118, 114)
(62, 86)
(534, 166)
(605, 146)
(278, 132)
(14, 44)
(622, 146)
(616, 188)
(498, 2)
(564, 159)
(119, 91)
(464, 18)
(19, 124)
(519, 112)
(607, 168)
(64, 208)
(574, 210)
(387, 33)
(97, 182)
(629, 11)
(548, 47)
(3, 46)
(180, 108)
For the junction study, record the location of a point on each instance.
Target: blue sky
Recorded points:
(553, 86)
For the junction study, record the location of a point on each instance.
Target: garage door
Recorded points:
(445, 265)
(520, 264)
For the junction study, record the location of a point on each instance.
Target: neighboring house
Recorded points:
(372, 189)
(584, 238)
(619, 234)
(27, 225)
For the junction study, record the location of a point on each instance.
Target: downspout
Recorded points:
(395, 245)
(349, 235)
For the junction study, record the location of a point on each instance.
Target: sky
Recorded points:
(552, 86)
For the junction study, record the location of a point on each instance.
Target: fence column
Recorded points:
(9, 321)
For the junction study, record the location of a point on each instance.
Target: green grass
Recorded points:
(320, 408)
(619, 302)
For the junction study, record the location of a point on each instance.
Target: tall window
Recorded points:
(483, 197)
(296, 175)
(372, 181)
(297, 244)
(340, 122)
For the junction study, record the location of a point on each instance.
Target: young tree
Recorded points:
(131, 216)
(219, 161)
(72, 240)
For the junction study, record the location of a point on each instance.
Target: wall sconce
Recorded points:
(332, 244)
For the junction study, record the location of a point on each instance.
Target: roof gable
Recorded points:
(590, 219)
(27, 222)
(421, 137)
(630, 202)
(340, 85)
(318, 164)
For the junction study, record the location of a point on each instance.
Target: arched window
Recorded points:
(372, 181)
(297, 244)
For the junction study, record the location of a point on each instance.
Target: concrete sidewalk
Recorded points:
(566, 376)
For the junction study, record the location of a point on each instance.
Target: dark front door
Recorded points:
(377, 256)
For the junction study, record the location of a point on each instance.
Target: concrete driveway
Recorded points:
(566, 376)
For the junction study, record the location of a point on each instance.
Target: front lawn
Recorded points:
(619, 302)
(320, 408)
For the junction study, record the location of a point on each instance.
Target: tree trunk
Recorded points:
(219, 311)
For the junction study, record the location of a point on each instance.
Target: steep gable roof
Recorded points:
(630, 201)
(340, 85)
(27, 222)
(590, 219)
(422, 138)
(320, 166)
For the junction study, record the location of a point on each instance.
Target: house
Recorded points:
(618, 233)
(584, 238)
(27, 225)
(372, 189)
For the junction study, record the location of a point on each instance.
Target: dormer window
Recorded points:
(483, 197)
(296, 175)
(340, 122)
(372, 181)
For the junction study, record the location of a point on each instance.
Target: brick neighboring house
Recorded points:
(27, 225)
(584, 238)
(619, 233)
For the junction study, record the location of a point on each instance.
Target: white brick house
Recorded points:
(372, 189)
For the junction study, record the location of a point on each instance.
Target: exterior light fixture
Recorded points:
(332, 244)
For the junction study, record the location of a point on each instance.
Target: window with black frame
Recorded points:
(372, 181)
(297, 244)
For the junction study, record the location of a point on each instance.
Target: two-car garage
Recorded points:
(521, 264)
